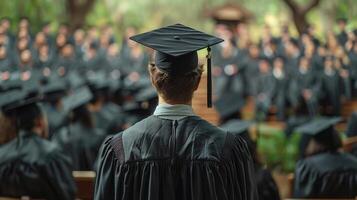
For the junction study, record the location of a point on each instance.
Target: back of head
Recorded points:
(27, 115)
(175, 89)
(326, 141)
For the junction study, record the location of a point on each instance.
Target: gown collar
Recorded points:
(173, 112)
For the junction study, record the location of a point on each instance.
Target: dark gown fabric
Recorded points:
(331, 92)
(301, 82)
(175, 159)
(81, 144)
(32, 166)
(267, 188)
(265, 91)
(326, 175)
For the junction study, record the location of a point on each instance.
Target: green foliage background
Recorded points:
(146, 14)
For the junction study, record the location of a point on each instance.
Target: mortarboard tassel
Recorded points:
(209, 79)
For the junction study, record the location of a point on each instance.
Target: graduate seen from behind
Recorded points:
(325, 172)
(30, 165)
(174, 154)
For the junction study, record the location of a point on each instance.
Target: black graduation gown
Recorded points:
(5, 64)
(326, 175)
(96, 63)
(267, 188)
(280, 95)
(265, 89)
(116, 118)
(331, 91)
(251, 70)
(175, 159)
(68, 63)
(81, 144)
(42, 63)
(130, 64)
(342, 38)
(226, 83)
(32, 166)
(302, 81)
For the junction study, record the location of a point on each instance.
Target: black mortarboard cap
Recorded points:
(176, 50)
(318, 125)
(10, 85)
(146, 94)
(322, 131)
(229, 104)
(54, 89)
(79, 97)
(236, 126)
(98, 83)
(32, 86)
(14, 99)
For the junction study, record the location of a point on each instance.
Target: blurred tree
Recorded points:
(77, 11)
(299, 13)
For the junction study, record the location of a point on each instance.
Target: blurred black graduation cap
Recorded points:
(318, 126)
(54, 89)
(229, 104)
(322, 131)
(98, 83)
(146, 94)
(78, 98)
(32, 86)
(10, 85)
(176, 50)
(14, 99)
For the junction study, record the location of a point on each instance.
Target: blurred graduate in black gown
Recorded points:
(304, 89)
(280, 93)
(265, 85)
(81, 139)
(174, 154)
(331, 88)
(325, 172)
(30, 165)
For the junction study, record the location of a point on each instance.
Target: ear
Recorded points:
(197, 84)
(150, 69)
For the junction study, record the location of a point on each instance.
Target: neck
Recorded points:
(37, 131)
(173, 102)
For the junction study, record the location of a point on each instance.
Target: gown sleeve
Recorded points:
(267, 187)
(245, 176)
(58, 171)
(106, 167)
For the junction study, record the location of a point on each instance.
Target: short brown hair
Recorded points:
(175, 88)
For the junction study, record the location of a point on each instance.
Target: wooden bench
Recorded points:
(85, 184)
(322, 199)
